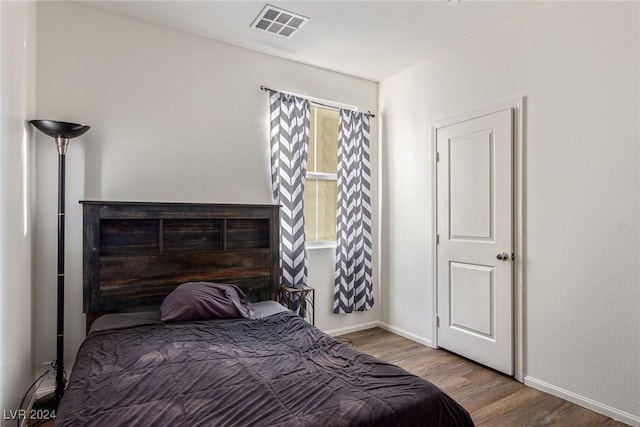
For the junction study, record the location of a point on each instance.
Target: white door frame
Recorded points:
(518, 105)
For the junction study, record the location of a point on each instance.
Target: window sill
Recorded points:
(320, 245)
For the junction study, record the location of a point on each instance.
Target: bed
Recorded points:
(270, 369)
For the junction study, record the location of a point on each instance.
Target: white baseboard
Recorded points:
(398, 331)
(47, 386)
(585, 402)
(354, 328)
(406, 334)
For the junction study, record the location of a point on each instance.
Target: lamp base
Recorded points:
(45, 408)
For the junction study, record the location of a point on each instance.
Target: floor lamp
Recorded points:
(62, 132)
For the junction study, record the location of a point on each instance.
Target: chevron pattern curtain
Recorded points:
(353, 287)
(289, 150)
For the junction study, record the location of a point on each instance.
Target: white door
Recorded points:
(475, 243)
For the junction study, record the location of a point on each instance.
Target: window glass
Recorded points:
(320, 196)
(327, 201)
(327, 146)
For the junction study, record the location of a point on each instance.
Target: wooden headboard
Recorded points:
(136, 253)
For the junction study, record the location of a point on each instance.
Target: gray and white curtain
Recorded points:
(353, 287)
(289, 149)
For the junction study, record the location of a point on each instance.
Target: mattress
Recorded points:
(151, 316)
(274, 371)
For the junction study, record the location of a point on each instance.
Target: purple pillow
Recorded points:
(205, 300)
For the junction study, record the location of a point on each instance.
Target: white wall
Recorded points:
(17, 76)
(174, 117)
(578, 65)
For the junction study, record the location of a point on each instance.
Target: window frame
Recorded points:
(320, 244)
(320, 176)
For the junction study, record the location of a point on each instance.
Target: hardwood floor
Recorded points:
(491, 398)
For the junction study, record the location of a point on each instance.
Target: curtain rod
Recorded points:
(264, 88)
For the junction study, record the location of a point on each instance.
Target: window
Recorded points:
(321, 188)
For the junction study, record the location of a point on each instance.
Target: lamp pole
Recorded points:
(62, 144)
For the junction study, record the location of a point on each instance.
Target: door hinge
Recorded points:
(437, 321)
(513, 256)
(437, 239)
(437, 157)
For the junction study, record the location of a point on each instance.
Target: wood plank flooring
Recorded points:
(491, 398)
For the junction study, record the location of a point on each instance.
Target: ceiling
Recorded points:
(367, 39)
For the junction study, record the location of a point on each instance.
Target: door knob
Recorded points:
(503, 256)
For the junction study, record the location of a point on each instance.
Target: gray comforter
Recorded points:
(276, 371)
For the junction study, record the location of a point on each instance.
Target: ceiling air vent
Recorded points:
(279, 21)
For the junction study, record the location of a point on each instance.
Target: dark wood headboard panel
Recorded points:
(136, 253)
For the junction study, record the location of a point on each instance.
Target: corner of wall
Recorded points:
(17, 105)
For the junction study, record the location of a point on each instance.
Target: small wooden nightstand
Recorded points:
(286, 298)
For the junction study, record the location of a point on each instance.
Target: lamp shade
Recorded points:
(55, 129)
